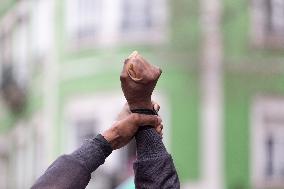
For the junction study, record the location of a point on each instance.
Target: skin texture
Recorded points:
(138, 80)
(127, 124)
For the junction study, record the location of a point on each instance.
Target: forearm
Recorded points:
(149, 144)
(74, 171)
(154, 167)
(93, 153)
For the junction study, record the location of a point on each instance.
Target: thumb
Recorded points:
(152, 120)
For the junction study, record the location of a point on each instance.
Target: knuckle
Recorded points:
(115, 128)
(159, 120)
(123, 76)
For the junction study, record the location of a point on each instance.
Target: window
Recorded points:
(5, 57)
(275, 17)
(14, 61)
(103, 23)
(84, 19)
(85, 129)
(268, 143)
(20, 52)
(268, 23)
(1, 58)
(21, 162)
(136, 15)
(143, 19)
(42, 26)
(274, 149)
(4, 160)
(14, 50)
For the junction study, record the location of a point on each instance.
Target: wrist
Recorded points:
(149, 144)
(140, 105)
(111, 135)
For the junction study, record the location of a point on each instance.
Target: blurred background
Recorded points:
(221, 91)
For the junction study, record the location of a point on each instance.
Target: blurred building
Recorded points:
(221, 91)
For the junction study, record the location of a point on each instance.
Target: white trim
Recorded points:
(257, 10)
(211, 111)
(110, 32)
(261, 35)
(262, 107)
(19, 10)
(50, 83)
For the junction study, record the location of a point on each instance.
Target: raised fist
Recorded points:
(138, 80)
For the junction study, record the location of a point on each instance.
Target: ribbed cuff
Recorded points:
(149, 144)
(106, 147)
(93, 152)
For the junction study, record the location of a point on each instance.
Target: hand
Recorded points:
(123, 130)
(126, 111)
(138, 80)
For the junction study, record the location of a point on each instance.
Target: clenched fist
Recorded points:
(138, 80)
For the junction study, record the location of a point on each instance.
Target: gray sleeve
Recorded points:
(154, 167)
(74, 171)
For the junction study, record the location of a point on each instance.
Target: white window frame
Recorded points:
(22, 154)
(4, 162)
(154, 34)
(20, 51)
(42, 29)
(84, 19)
(111, 33)
(278, 13)
(260, 34)
(14, 27)
(1, 58)
(262, 107)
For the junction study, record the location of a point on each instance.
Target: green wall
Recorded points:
(240, 89)
(236, 28)
(248, 71)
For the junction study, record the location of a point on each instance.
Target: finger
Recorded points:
(123, 75)
(156, 106)
(141, 119)
(159, 129)
(159, 120)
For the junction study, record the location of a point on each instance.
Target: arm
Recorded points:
(74, 171)
(154, 167)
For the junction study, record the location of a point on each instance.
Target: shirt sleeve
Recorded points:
(154, 167)
(73, 171)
